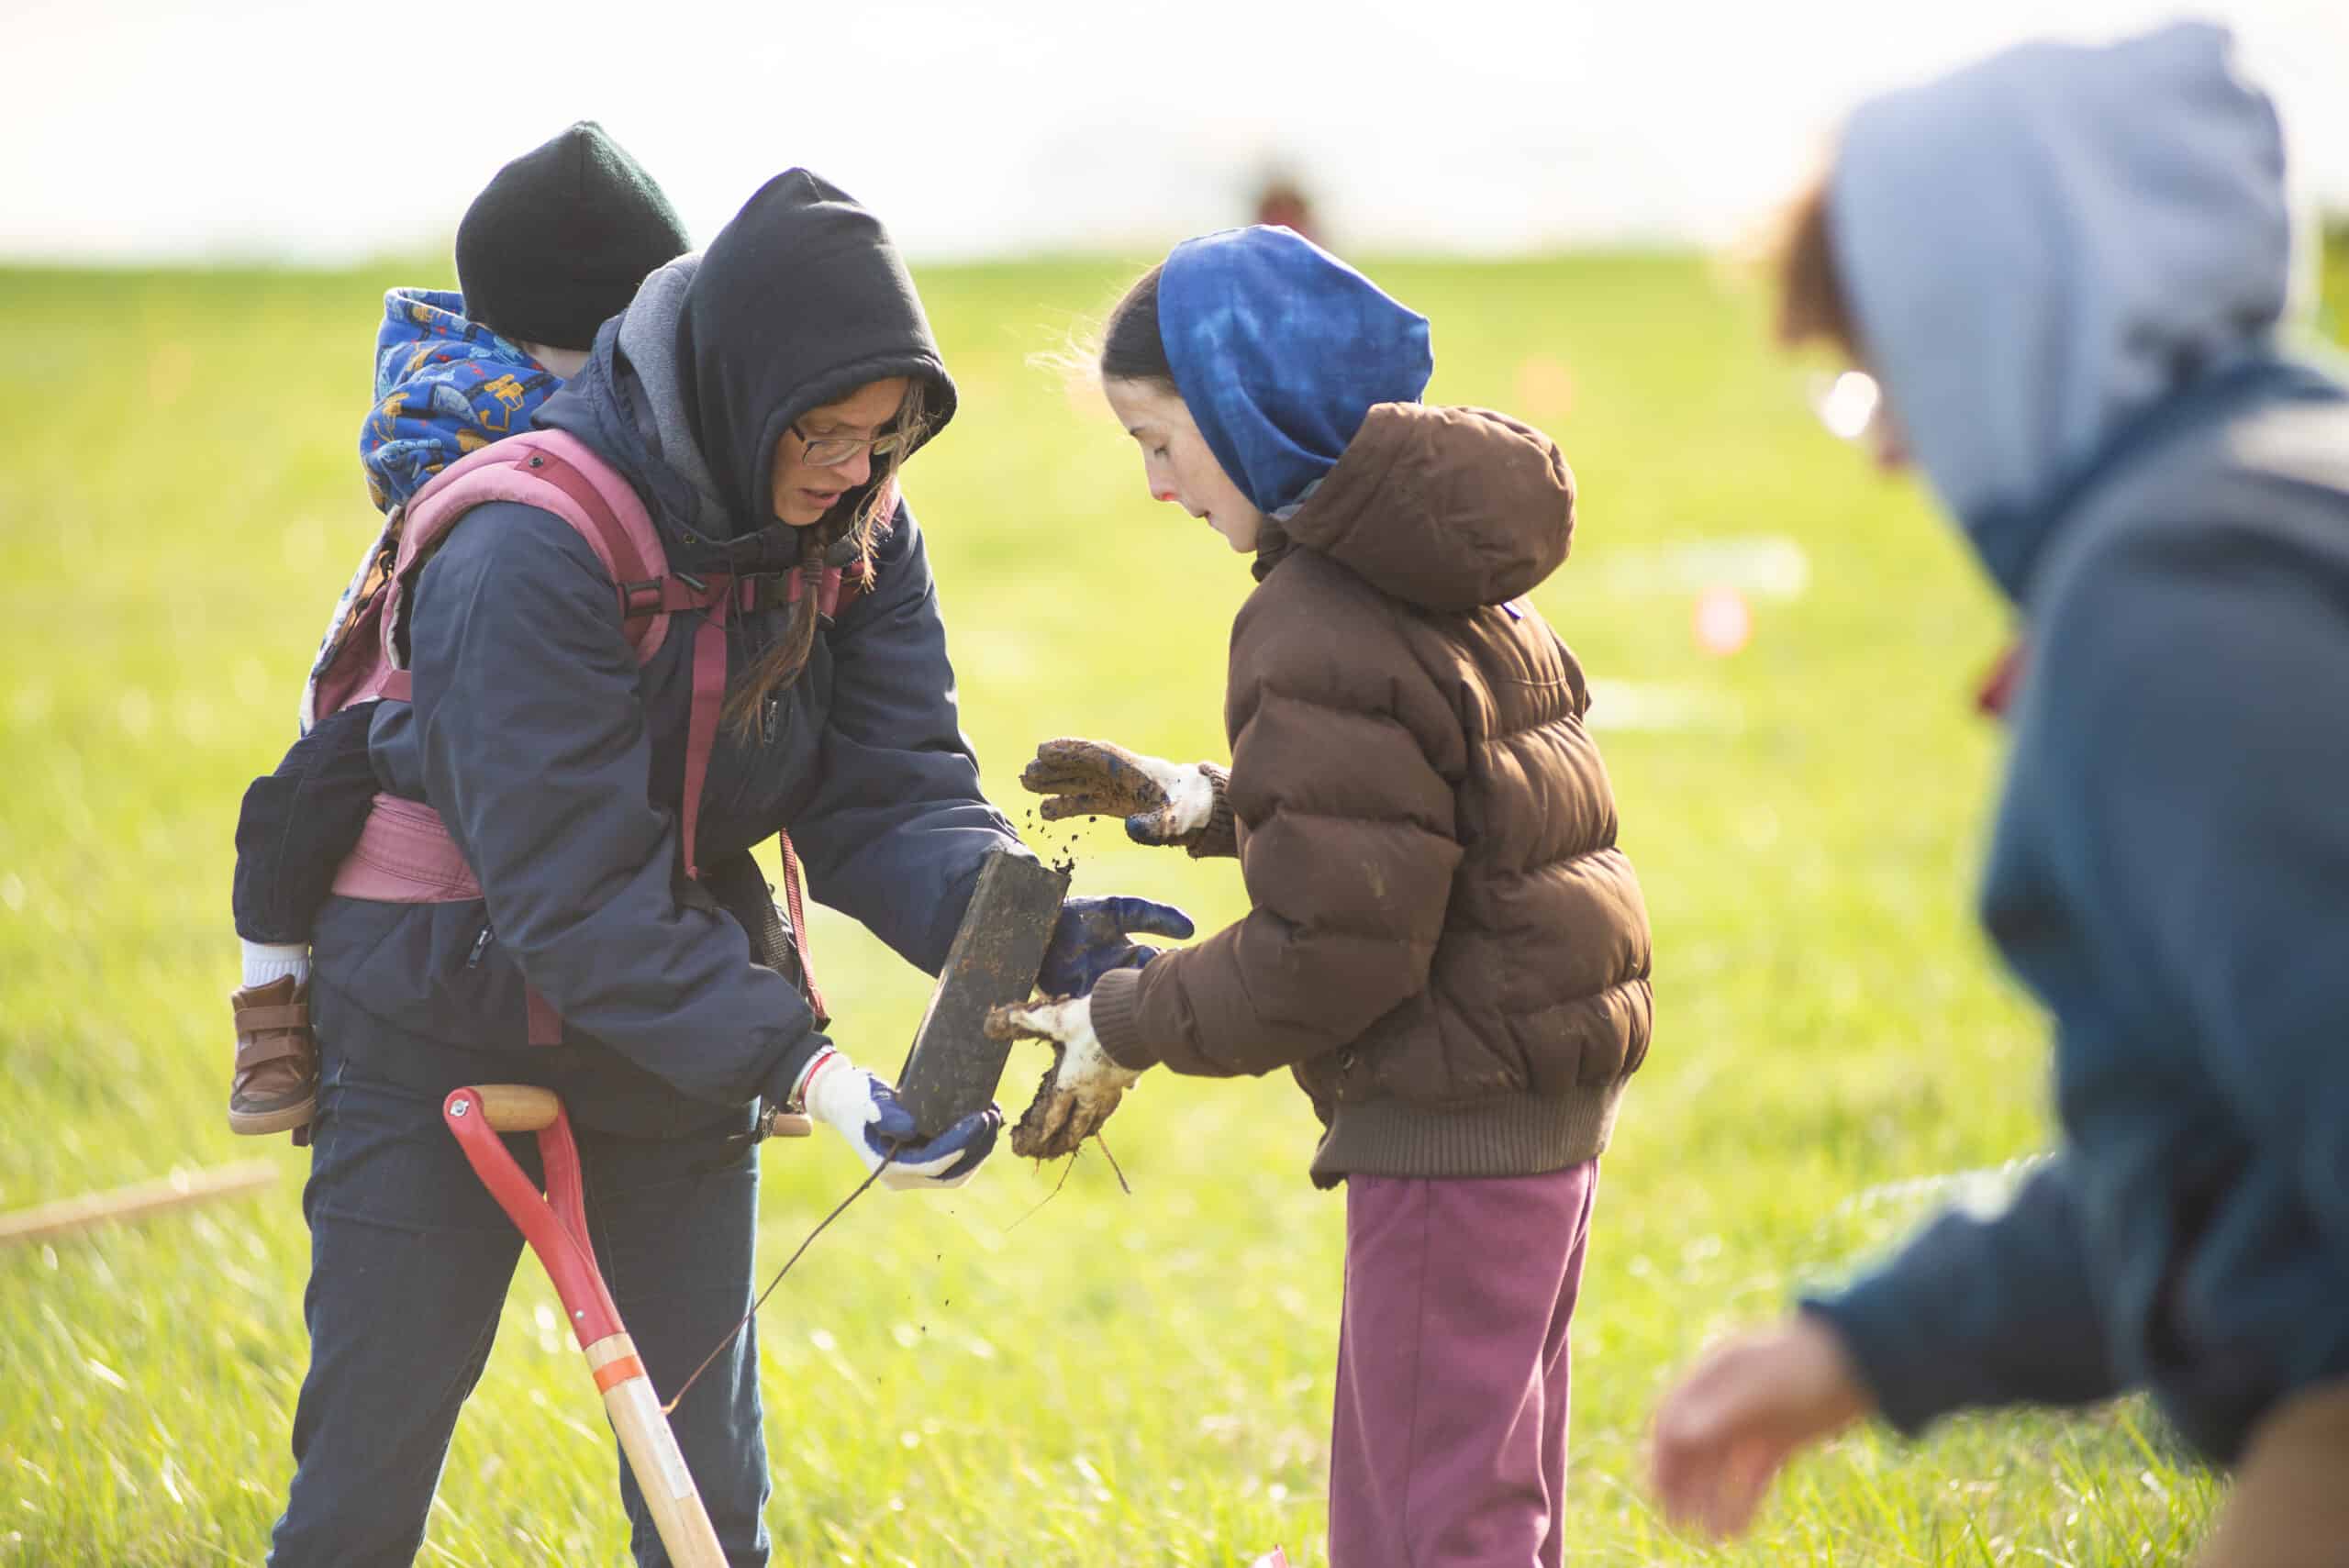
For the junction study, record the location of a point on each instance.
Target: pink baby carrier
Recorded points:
(404, 854)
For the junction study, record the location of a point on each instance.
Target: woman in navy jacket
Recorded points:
(759, 398)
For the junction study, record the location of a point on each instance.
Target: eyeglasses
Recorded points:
(830, 451)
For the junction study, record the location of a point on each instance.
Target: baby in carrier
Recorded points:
(553, 246)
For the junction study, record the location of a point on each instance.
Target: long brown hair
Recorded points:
(745, 712)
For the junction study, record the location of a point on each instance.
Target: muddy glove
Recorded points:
(1162, 802)
(863, 1109)
(1091, 938)
(1081, 1087)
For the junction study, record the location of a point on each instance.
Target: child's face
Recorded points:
(1177, 462)
(804, 490)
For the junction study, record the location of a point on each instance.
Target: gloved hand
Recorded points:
(1162, 802)
(1091, 938)
(1081, 1087)
(864, 1109)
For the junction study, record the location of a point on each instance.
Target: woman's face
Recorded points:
(841, 431)
(1178, 463)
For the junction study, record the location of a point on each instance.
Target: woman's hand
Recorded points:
(1752, 1403)
(1081, 1087)
(1093, 937)
(1162, 802)
(864, 1110)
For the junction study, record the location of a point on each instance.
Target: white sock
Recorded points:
(266, 962)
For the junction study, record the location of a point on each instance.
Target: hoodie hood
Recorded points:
(647, 343)
(445, 385)
(1280, 350)
(1447, 508)
(799, 301)
(630, 412)
(2041, 248)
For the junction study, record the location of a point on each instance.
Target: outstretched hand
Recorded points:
(1094, 936)
(1080, 1089)
(1162, 802)
(1750, 1406)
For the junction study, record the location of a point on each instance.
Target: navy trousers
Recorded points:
(410, 1263)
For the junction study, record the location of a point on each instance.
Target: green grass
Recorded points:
(1126, 1379)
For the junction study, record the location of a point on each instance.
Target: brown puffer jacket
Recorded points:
(1445, 942)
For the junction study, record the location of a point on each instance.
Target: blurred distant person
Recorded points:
(1445, 944)
(552, 247)
(1283, 203)
(2067, 267)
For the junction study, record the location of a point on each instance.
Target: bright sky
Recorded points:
(326, 130)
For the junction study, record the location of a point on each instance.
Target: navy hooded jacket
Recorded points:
(2068, 266)
(558, 763)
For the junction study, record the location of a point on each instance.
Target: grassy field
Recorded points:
(1129, 1379)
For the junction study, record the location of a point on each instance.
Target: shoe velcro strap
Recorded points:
(260, 1050)
(287, 1016)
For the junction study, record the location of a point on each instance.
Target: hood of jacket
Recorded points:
(1279, 350)
(1447, 508)
(445, 385)
(2040, 249)
(801, 299)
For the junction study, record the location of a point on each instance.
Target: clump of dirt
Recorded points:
(1062, 857)
(1037, 1136)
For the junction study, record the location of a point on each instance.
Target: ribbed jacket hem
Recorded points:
(1115, 1001)
(1522, 1135)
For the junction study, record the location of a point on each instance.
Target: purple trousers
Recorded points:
(1449, 1449)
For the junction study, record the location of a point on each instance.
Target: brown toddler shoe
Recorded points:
(276, 1087)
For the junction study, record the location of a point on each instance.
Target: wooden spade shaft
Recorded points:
(179, 1191)
(555, 1224)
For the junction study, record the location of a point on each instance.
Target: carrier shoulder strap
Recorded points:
(556, 472)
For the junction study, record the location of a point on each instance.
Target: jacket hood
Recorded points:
(1279, 349)
(646, 343)
(630, 410)
(801, 299)
(2038, 249)
(1448, 508)
(445, 385)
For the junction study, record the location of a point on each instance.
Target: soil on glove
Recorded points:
(1032, 1138)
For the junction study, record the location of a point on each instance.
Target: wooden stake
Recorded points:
(178, 1190)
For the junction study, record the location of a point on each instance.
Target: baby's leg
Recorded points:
(293, 831)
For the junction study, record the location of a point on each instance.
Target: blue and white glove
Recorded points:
(1094, 937)
(864, 1110)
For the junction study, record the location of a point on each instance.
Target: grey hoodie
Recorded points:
(2068, 266)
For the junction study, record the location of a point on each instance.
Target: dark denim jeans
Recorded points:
(410, 1263)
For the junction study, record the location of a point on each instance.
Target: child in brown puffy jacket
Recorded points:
(1444, 944)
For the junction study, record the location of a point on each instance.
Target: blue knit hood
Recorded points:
(2041, 248)
(1280, 350)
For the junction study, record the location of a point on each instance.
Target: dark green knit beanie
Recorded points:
(558, 242)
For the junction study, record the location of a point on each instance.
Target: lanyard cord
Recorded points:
(670, 1408)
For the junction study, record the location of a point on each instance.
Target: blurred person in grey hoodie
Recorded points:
(2066, 269)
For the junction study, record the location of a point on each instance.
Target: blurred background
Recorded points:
(146, 130)
(199, 211)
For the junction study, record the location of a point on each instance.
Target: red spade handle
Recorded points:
(556, 1224)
